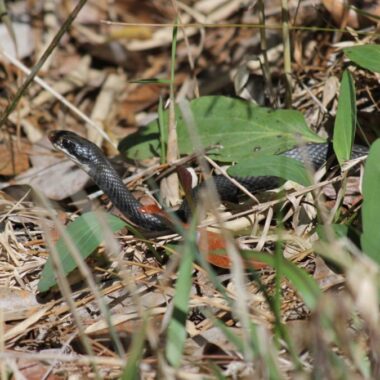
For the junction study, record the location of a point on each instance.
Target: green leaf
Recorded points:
(305, 285)
(151, 81)
(278, 166)
(86, 234)
(345, 121)
(242, 129)
(176, 332)
(370, 238)
(367, 56)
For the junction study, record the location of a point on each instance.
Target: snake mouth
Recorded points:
(62, 140)
(54, 136)
(51, 136)
(57, 139)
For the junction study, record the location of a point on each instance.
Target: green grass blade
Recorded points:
(163, 131)
(345, 121)
(370, 238)
(305, 285)
(151, 81)
(278, 264)
(132, 369)
(176, 332)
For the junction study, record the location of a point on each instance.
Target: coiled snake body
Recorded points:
(92, 160)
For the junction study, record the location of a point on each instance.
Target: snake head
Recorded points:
(77, 148)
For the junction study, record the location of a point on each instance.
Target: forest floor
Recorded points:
(113, 71)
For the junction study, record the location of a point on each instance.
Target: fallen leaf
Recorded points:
(24, 39)
(213, 246)
(17, 304)
(138, 99)
(330, 90)
(36, 370)
(338, 11)
(14, 159)
(325, 277)
(56, 177)
(301, 334)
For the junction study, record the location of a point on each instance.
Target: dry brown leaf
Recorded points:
(325, 277)
(301, 334)
(352, 194)
(211, 342)
(56, 177)
(17, 304)
(24, 39)
(128, 327)
(364, 290)
(14, 160)
(129, 321)
(339, 12)
(138, 99)
(110, 91)
(36, 370)
(330, 90)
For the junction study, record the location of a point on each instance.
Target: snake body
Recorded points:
(91, 159)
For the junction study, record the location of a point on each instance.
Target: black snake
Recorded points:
(92, 160)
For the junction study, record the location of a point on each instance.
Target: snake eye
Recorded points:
(77, 148)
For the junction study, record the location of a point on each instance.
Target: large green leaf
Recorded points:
(345, 121)
(241, 129)
(278, 166)
(86, 233)
(367, 56)
(370, 238)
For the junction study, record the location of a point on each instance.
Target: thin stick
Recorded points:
(238, 25)
(170, 184)
(287, 54)
(264, 48)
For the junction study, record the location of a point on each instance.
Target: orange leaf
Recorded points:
(213, 246)
(151, 209)
(14, 160)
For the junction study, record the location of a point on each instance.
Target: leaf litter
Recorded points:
(135, 281)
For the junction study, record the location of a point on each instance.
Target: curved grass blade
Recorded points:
(176, 332)
(303, 282)
(132, 369)
(86, 234)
